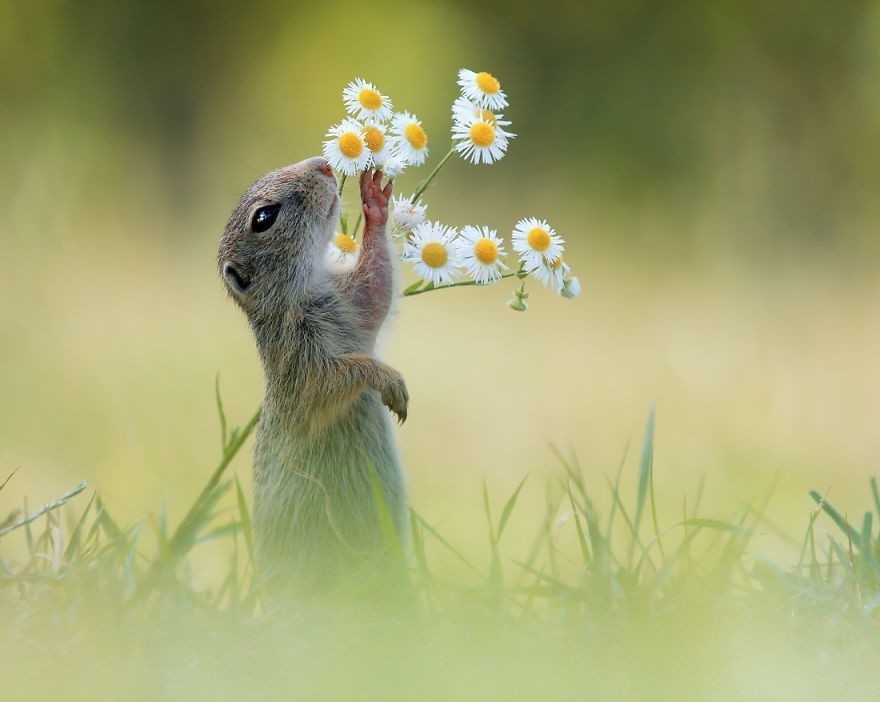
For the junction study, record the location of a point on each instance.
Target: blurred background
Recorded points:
(713, 167)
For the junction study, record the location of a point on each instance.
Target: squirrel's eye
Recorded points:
(264, 218)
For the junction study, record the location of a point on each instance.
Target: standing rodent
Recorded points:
(324, 440)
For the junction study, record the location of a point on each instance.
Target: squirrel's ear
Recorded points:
(236, 280)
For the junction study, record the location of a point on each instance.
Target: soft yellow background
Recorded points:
(713, 169)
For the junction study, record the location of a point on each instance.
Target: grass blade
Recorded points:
(433, 532)
(244, 517)
(8, 478)
(508, 509)
(837, 518)
(73, 545)
(220, 412)
(25, 521)
(390, 537)
(582, 538)
(645, 466)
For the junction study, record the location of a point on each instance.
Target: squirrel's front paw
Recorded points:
(375, 198)
(394, 395)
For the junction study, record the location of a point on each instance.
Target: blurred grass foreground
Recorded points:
(622, 609)
(713, 168)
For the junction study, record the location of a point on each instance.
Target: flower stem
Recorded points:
(464, 283)
(341, 184)
(427, 181)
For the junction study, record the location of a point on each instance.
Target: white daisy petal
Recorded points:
(346, 149)
(408, 138)
(536, 242)
(435, 251)
(482, 88)
(363, 101)
(482, 250)
(552, 274)
(463, 110)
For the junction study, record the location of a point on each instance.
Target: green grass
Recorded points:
(614, 606)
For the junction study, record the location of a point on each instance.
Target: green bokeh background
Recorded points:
(712, 166)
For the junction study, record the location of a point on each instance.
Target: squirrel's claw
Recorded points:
(396, 398)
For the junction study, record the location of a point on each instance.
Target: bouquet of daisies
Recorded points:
(373, 135)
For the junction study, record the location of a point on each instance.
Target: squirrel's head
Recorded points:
(278, 233)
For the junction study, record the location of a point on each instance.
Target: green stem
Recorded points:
(342, 184)
(427, 181)
(462, 284)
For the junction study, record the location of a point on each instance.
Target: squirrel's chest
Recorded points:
(330, 330)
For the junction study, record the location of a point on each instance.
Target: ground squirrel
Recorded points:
(324, 439)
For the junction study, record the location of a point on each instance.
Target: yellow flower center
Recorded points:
(482, 134)
(539, 239)
(374, 138)
(416, 136)
(370, 99)
(345, 243)
(486, 116)
(488, 83)
(434, 254)
(486, 251)
(351, 145)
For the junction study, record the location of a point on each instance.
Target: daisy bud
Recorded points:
(394, 165)
(405, 214)
(571, 288)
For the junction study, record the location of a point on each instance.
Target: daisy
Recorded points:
(363, 101)
(481, 253)
(346, 149)
(409, 139)
(482, 88)
(480, 141)
(405, 214)
(374, 137)
(536, 241)
(342, 249)
(435, 251)
(463, 110)
(552, 274)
